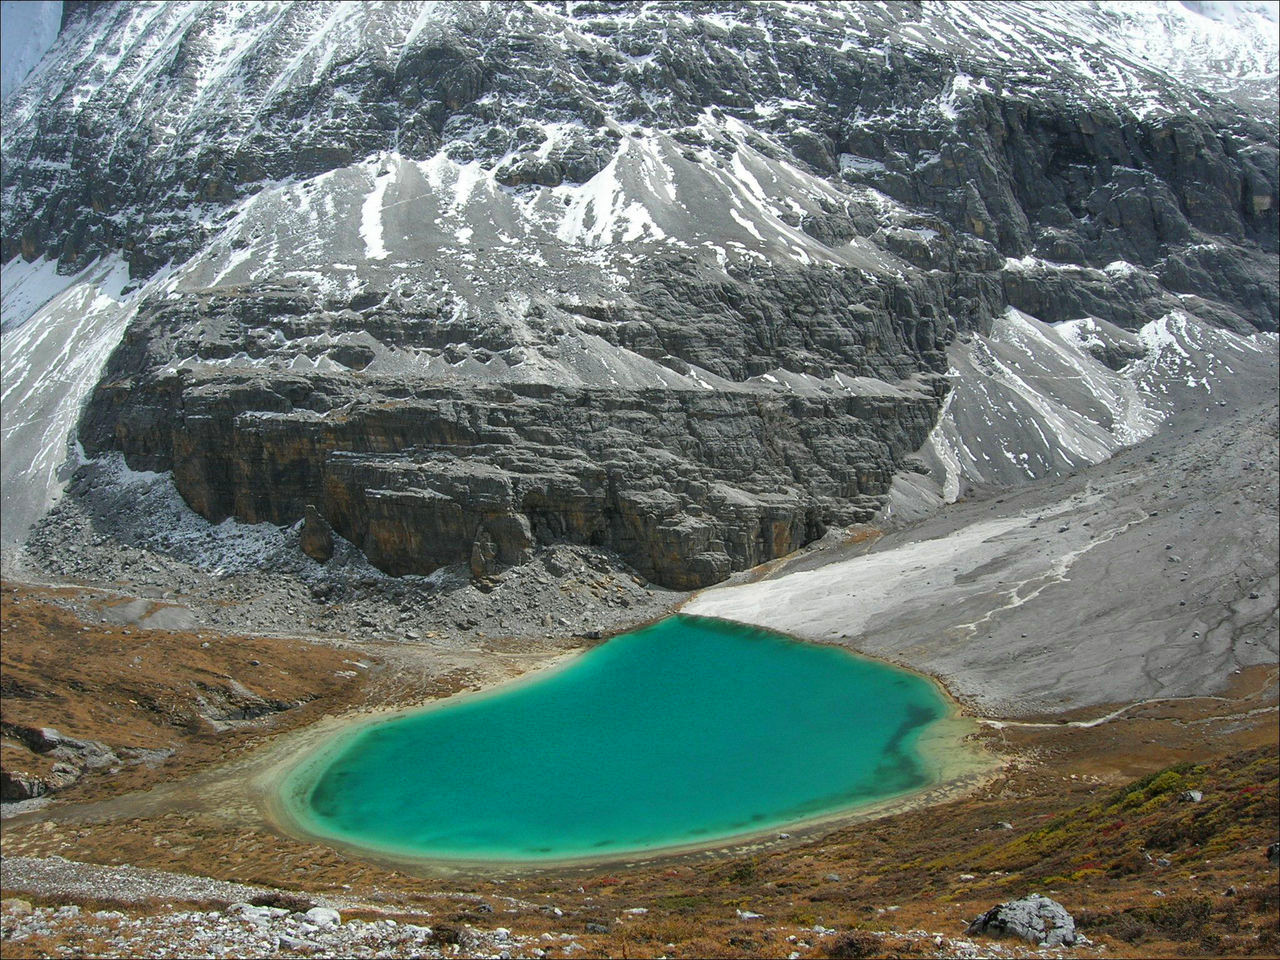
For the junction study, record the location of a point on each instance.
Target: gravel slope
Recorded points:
(1152, 575)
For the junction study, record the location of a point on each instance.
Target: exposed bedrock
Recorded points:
(450, 286)
(990, 141)
(686, 486)
(394, 439)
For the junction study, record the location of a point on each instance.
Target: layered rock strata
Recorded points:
(454, 280)
(686, 486)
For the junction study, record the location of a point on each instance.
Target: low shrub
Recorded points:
(854, 945)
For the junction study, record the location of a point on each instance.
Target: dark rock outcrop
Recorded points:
(70, 758)
(316, 540)
(17, 785)
(686, 486)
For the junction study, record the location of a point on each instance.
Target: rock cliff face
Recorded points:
(687, 485)
(458, 280)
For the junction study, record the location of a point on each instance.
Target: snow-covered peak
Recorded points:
(1224, 48)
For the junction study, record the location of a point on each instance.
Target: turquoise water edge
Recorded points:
(687, 732)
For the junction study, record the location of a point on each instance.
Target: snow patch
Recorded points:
(50, 364)
(27, 31)
(371, 214)
(26, 287)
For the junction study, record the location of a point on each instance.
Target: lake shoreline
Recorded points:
(946, 749)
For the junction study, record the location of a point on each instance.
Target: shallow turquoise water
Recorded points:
(684, 732)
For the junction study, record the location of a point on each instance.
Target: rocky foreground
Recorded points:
(1173, 863)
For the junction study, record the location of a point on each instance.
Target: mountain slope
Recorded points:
(682, 282)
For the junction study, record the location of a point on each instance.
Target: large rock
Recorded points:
(324, 916)
(17, 785)
(1035, 918)
(316, 539)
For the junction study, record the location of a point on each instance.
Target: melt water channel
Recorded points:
(689, 732)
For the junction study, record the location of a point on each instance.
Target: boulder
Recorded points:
(16, 785)
(1035, 918)
(317, 536)
(257, 914)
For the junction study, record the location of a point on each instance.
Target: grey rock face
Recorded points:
(1035, 918)
(1050, 163)
(687, 486)
(16, 786)
(458, 281)
(71, 758)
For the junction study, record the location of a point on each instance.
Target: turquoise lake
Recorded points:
(689, 731)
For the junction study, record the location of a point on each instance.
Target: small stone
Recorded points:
(324, 916)
(1191, 796)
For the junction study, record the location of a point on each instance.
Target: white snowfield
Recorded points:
(27, 29)
(50, 362)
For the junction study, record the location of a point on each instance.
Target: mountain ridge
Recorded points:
(379, 255)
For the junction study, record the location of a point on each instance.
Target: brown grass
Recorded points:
(135, 688)
(1094, 811)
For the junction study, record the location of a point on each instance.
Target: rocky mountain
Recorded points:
(690, 282)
